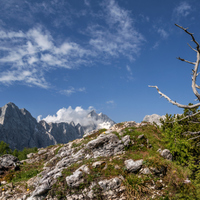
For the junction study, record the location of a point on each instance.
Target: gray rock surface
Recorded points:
(166, 154)
(154, 118)
(7, 162)
(76, 170)
(75, 180)
(126, 140)
(145, 170)
(105, 145)
(111, 184)
(133, 166)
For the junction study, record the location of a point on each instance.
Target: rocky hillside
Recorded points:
(127, 161)
(19, 129)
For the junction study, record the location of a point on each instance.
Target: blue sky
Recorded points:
(81, 55)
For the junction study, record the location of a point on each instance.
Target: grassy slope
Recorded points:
(170, 184)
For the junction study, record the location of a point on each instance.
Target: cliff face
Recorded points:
(19, 129)
(63, 132)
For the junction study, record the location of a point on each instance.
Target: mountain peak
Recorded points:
(92, 113)
(10, 104)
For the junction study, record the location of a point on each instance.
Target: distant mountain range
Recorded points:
(19, 129)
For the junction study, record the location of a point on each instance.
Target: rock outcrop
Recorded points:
(8, 162)
(113, 164)
(154, 118)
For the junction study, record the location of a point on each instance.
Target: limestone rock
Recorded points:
(75, 180)
(42, 189)
(98, 164)
(126, 140)
(166, 154)
(84, 168)
(154, 118)
(111, 184)
(105, 145)
(141, 136)
(145, 171)
(7, 162)
(133, 166)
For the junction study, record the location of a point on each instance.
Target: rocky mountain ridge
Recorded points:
(19, 129)
(127, 161)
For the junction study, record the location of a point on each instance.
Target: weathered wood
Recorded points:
(194, 74)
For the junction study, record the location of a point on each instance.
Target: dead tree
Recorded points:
(195, 73)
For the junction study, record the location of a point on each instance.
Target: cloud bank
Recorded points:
(183, 9)
(27, 55)
(77, 115)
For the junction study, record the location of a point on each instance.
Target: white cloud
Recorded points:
(72, 90)
(183, 9)
(129, 69)
(10, 35)
(41, 39)
(87, 3)
(110, 102)
(29, 77)
(81, 89)
(156, 45)
(163, 33)
(120, 37)
(37, 51)
(68, 92)
(77, 115)
(26, 12)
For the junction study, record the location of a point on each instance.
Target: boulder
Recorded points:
(7, 162)
(133, 166)
(42, 189)
(75, 179)
(166, 154)
(145, 171)
(126, 140)
(98, 164)
(111, 184)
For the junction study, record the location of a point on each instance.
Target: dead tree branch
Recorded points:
(194, 137)
(184, 118)
(186, 61)
(191, 34)
(190, 133)
(174, 102)
(192, 48)
(194, 73)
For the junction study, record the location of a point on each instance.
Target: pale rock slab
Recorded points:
(133, 166)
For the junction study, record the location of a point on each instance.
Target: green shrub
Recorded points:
(4, 148)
